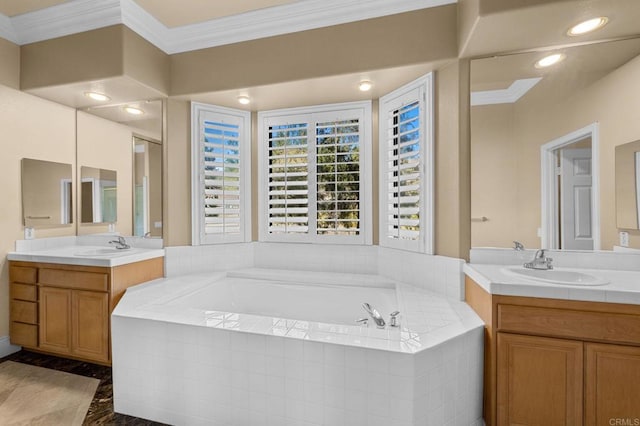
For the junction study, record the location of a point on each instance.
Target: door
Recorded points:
(576, 199)
(55, 319)
(612, 383)
(90, 325)
(539, 381)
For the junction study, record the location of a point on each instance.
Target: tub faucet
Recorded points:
(540, 261)
(121, 243)
(374, 314)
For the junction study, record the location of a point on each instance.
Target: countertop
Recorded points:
(86, 255)
(623, 286)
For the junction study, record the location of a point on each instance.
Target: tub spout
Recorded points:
(374, 314)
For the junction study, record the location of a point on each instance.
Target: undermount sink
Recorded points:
(555, 276)
(103, 252)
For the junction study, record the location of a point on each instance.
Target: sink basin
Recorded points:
(103, 252)
(555, 276)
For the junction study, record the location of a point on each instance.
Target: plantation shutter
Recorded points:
(221, 175)
(288, 178)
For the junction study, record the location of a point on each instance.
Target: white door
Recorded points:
(576, 198)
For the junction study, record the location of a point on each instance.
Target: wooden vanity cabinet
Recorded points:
(558, 362)
(64, 309)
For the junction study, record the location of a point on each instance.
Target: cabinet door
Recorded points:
(55, 320)
(90, 325)
(539, 381)
(612, 383)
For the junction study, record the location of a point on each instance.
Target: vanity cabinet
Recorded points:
(64, 309)
(558, 362)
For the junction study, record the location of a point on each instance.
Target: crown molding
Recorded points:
(509, 95)
(85, 15)
(6, 29)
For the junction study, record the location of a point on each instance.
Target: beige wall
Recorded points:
(52, 139)
(9, 64)
(107, 145)
(613, 102)
(144, 62)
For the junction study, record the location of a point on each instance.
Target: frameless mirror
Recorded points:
(98, 195)
(525, 120)
(147, 191)
(628, 185)
(47, 194)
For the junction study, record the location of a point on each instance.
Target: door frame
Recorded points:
(549, 187)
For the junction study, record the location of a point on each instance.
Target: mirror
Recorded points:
(628, 185)
(523, 116)
(47, 194)
(147, 191)
(98, 195)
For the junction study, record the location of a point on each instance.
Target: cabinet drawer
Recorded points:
(22, 274)
(24, 334)
(24, 292)
(582, 325)
(24, 311)
(74, 279)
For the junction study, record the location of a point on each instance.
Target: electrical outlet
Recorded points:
(624, 239)
(28, 233)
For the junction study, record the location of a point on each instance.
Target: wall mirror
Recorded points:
(530, 125)
(628, 185)
(47, 194)
(98, 195)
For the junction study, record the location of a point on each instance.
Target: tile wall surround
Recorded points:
(617, 260)
(440, 274)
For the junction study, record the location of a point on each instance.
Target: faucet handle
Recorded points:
(393, 321)
(517, 245)
(364, 322)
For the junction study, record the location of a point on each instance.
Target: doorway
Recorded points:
(570, 191)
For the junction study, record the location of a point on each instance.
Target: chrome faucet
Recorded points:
(121, 243)
(540, 261)
(374, 314)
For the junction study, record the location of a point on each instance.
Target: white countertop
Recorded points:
(623, 287)
(86, 255)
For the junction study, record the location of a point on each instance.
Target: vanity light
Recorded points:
(133, 110)
(365, 85)
(547, 61)
(97, 96)
(244, 100)
(588, 26)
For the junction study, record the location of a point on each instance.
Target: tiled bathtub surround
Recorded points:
(440, 274)
(193, 366)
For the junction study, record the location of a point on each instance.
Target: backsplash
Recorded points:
(84, 240)
(626, 261)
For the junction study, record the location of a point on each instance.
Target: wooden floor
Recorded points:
(101, 409)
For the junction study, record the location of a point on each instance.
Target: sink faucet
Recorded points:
(121, 243)
(374, 314)
(540, 261)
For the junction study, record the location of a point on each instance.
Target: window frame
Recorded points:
(198, 236)
(294, 115)
(420, 90)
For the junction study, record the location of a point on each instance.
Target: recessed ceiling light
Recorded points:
(133, 110)
(244, 100)
(97, 96)
(547, 61)
(365, 85)
(588, 26)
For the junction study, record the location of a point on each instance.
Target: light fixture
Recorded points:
(133, 110)
(97, 96)
(588, 26)
(244, 100)
(365, 85)
(547, 61)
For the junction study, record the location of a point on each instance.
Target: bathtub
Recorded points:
(271, 347)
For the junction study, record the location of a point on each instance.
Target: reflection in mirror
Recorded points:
(628, 185)
(47, 195)
(98, 195)
(147, 191)
(517, 109)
